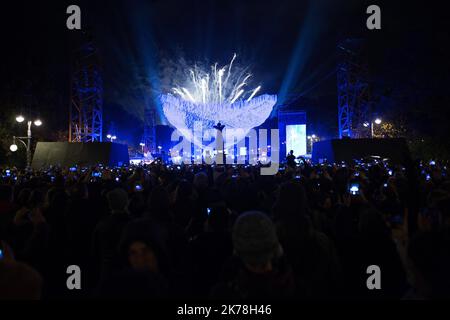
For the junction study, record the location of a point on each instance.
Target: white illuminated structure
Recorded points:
(208, 98)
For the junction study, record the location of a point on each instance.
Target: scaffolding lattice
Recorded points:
(353, 89)
(149, 137)
(86, 107)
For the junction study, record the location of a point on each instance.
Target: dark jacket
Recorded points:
(240, 283)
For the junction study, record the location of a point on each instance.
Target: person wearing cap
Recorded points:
(108, 231)
(259, 269)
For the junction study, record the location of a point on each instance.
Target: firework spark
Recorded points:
(212, 88)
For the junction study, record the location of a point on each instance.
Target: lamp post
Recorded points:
(372, 122)
(111, 137)
(27, 144)
(312, 138)
(142, 146)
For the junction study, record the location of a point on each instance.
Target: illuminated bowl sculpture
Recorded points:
(243, 115)
(209, 98)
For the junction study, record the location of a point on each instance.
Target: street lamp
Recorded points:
(142, 145)
(312, 138)
(13, 147)
(111, 137)
(366, 124)
(27, 144)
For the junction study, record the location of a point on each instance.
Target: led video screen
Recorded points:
(296, 139)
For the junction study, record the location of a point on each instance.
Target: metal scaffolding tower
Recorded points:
(86, 106)
(353, 89)
(149, 137)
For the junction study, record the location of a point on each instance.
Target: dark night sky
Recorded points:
(288, 44)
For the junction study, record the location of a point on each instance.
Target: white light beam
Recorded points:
(253, 93)
(237, 95)
(189, 94)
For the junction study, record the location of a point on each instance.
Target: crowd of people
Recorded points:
(217, 232)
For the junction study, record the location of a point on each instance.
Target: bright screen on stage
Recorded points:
(296, 139)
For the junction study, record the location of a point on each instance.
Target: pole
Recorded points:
(371, 129)
(29, 146)
(219, 143)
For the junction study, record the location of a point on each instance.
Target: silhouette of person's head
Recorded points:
(255, 240)
(117, 200)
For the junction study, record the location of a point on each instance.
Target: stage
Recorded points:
(270, 141)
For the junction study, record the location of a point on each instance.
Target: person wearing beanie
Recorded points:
(259, 270)
(108, 231)
(255, 241)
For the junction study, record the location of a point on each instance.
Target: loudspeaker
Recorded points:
(67, 154)
(337, 150)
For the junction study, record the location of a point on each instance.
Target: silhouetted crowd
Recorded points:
(218, 232)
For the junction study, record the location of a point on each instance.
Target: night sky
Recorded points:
(289, 45)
